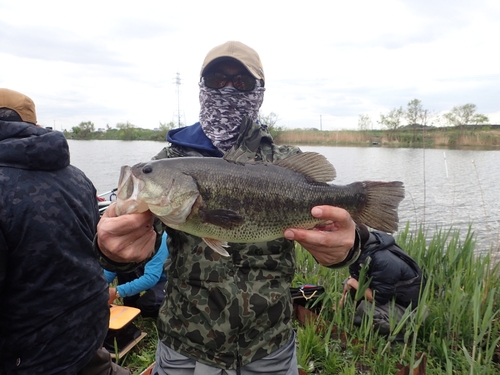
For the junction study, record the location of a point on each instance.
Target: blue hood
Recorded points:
(193, 137)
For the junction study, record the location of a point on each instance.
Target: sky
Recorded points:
(326, 61)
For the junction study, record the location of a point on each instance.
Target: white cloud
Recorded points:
(326, 62)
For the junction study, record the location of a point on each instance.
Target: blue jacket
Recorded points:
(153, 273)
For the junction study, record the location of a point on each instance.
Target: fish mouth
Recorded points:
(127, 196)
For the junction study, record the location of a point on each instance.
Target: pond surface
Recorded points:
(444, 188)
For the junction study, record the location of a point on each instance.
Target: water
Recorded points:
(444, 188)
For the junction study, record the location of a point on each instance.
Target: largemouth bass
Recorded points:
(222, 200)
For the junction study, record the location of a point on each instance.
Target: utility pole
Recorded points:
(177, 90)
(320, 123)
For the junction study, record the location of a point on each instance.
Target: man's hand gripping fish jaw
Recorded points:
(129, 188)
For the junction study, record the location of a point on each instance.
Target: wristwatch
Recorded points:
(117, 294)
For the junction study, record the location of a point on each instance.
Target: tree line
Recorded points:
(416, 114)
(129, 132)
(124, 131)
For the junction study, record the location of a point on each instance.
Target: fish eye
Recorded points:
(147, 169)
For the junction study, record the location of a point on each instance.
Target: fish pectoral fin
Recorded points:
(217, 246)
(227, 219)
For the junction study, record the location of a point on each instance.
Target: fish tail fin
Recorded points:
(380, 208)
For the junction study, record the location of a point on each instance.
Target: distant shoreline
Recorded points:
(477, 137)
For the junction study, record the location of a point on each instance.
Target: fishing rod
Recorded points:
(111, 192)
(103, 205)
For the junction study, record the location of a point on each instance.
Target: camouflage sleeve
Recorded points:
(168, 152)
(355, 251)
(257, 143)
(161, 155)
(284, 151)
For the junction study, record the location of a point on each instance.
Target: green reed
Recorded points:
(456, 325)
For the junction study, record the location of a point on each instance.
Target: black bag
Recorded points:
(306, 294)
(123, 336)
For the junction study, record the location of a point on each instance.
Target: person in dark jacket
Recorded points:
(54, 311)
(393, 277)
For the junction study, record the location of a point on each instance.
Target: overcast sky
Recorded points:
(326, 62)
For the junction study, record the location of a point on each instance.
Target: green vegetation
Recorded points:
(418, 136)
(460, 127)
(460, 335)
(123, 131)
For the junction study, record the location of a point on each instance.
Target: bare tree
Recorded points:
(270, 120)
(364, 122)
(415, 113)
(392, 120)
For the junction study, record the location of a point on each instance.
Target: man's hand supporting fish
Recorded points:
(131, 238)
(127, 238)
(330, 245)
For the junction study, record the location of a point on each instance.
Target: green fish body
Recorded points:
(223, 200)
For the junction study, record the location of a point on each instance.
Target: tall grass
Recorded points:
(460, 335)
(461, 301)
(433, 137)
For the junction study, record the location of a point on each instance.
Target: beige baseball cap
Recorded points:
(238, 51)
(18, 102)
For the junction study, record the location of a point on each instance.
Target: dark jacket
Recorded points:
(394, 273)
(53, 295)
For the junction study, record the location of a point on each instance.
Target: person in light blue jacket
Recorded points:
(149, 279)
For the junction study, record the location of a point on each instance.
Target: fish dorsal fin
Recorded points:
(311, 164)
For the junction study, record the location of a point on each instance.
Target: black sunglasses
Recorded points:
(241, 82)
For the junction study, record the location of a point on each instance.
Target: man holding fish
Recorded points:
(233, 203)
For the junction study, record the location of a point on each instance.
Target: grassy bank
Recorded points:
(467, 137)
(460, 335)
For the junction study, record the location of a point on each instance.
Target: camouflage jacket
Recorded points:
(228, 312)
(53, 295)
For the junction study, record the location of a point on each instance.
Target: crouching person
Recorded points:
(395, 281)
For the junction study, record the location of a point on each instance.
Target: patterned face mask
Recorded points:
(222, 111)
